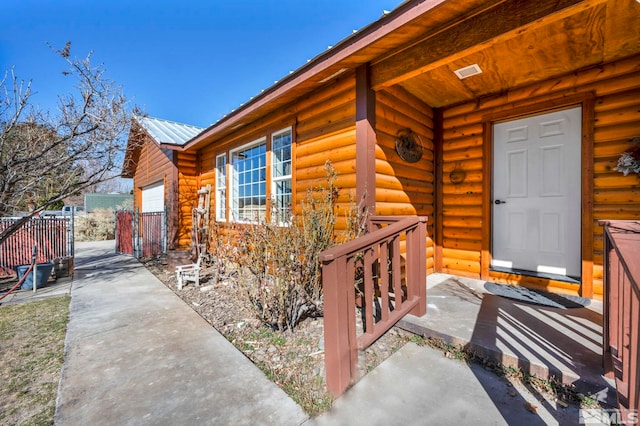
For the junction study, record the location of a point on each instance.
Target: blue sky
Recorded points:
(186, 61)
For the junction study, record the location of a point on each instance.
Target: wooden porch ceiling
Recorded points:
(515, 43)
(421, 43)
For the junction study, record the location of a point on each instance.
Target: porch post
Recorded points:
(340, 348)
(365, 139)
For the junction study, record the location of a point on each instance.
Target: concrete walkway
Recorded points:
(136, 354)
(419, 386)
(57, 288)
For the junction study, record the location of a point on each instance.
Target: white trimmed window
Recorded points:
(249, 182)
(281, 176)
(221, 187)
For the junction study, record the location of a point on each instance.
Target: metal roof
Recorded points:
(165, 131)
(95, 201)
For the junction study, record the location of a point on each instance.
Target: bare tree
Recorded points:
(46, 157)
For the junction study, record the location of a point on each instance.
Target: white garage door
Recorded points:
(153, 198)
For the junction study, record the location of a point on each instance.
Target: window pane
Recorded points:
(281, 172)
(248, 194)
(221, 187)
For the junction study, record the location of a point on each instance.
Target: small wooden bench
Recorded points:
(186, 273)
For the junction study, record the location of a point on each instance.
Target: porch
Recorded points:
(418, 385)
(560, 343)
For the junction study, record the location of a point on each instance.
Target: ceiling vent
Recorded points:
(465, 72)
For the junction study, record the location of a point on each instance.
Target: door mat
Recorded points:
(537, 297)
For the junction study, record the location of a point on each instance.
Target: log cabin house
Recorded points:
(501, 121)
(152, 160)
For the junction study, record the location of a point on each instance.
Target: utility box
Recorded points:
(63, 267)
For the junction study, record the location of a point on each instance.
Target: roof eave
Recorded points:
(378, 29)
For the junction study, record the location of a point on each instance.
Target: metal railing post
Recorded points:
(136, 233)
(71, 240)
(34, 260)
(164, 230)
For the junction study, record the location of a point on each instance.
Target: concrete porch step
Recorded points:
(564, 345)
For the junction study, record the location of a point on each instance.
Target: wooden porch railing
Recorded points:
(387, 290)
(622, 309)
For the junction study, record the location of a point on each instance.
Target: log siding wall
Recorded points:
(326, 131)
(323, 129)
(187, 184)
(616, 122)
(405, 188)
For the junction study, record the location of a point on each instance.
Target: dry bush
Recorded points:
(284, 284)
(126, 205)
(222, 251)
(99, 225)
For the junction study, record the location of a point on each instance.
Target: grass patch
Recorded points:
(32, 350)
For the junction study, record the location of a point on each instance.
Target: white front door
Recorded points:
(537, 193)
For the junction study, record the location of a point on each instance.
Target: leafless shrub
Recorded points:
(96, 226)
(222, 253)
(285, 285)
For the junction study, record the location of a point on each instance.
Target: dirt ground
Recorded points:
(292, 359)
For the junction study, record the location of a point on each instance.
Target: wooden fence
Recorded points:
(52, 235)
(124, 231)
(622, 310)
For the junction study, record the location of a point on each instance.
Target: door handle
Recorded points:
(500, 202)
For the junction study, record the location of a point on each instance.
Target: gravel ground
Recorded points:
(292, 359)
